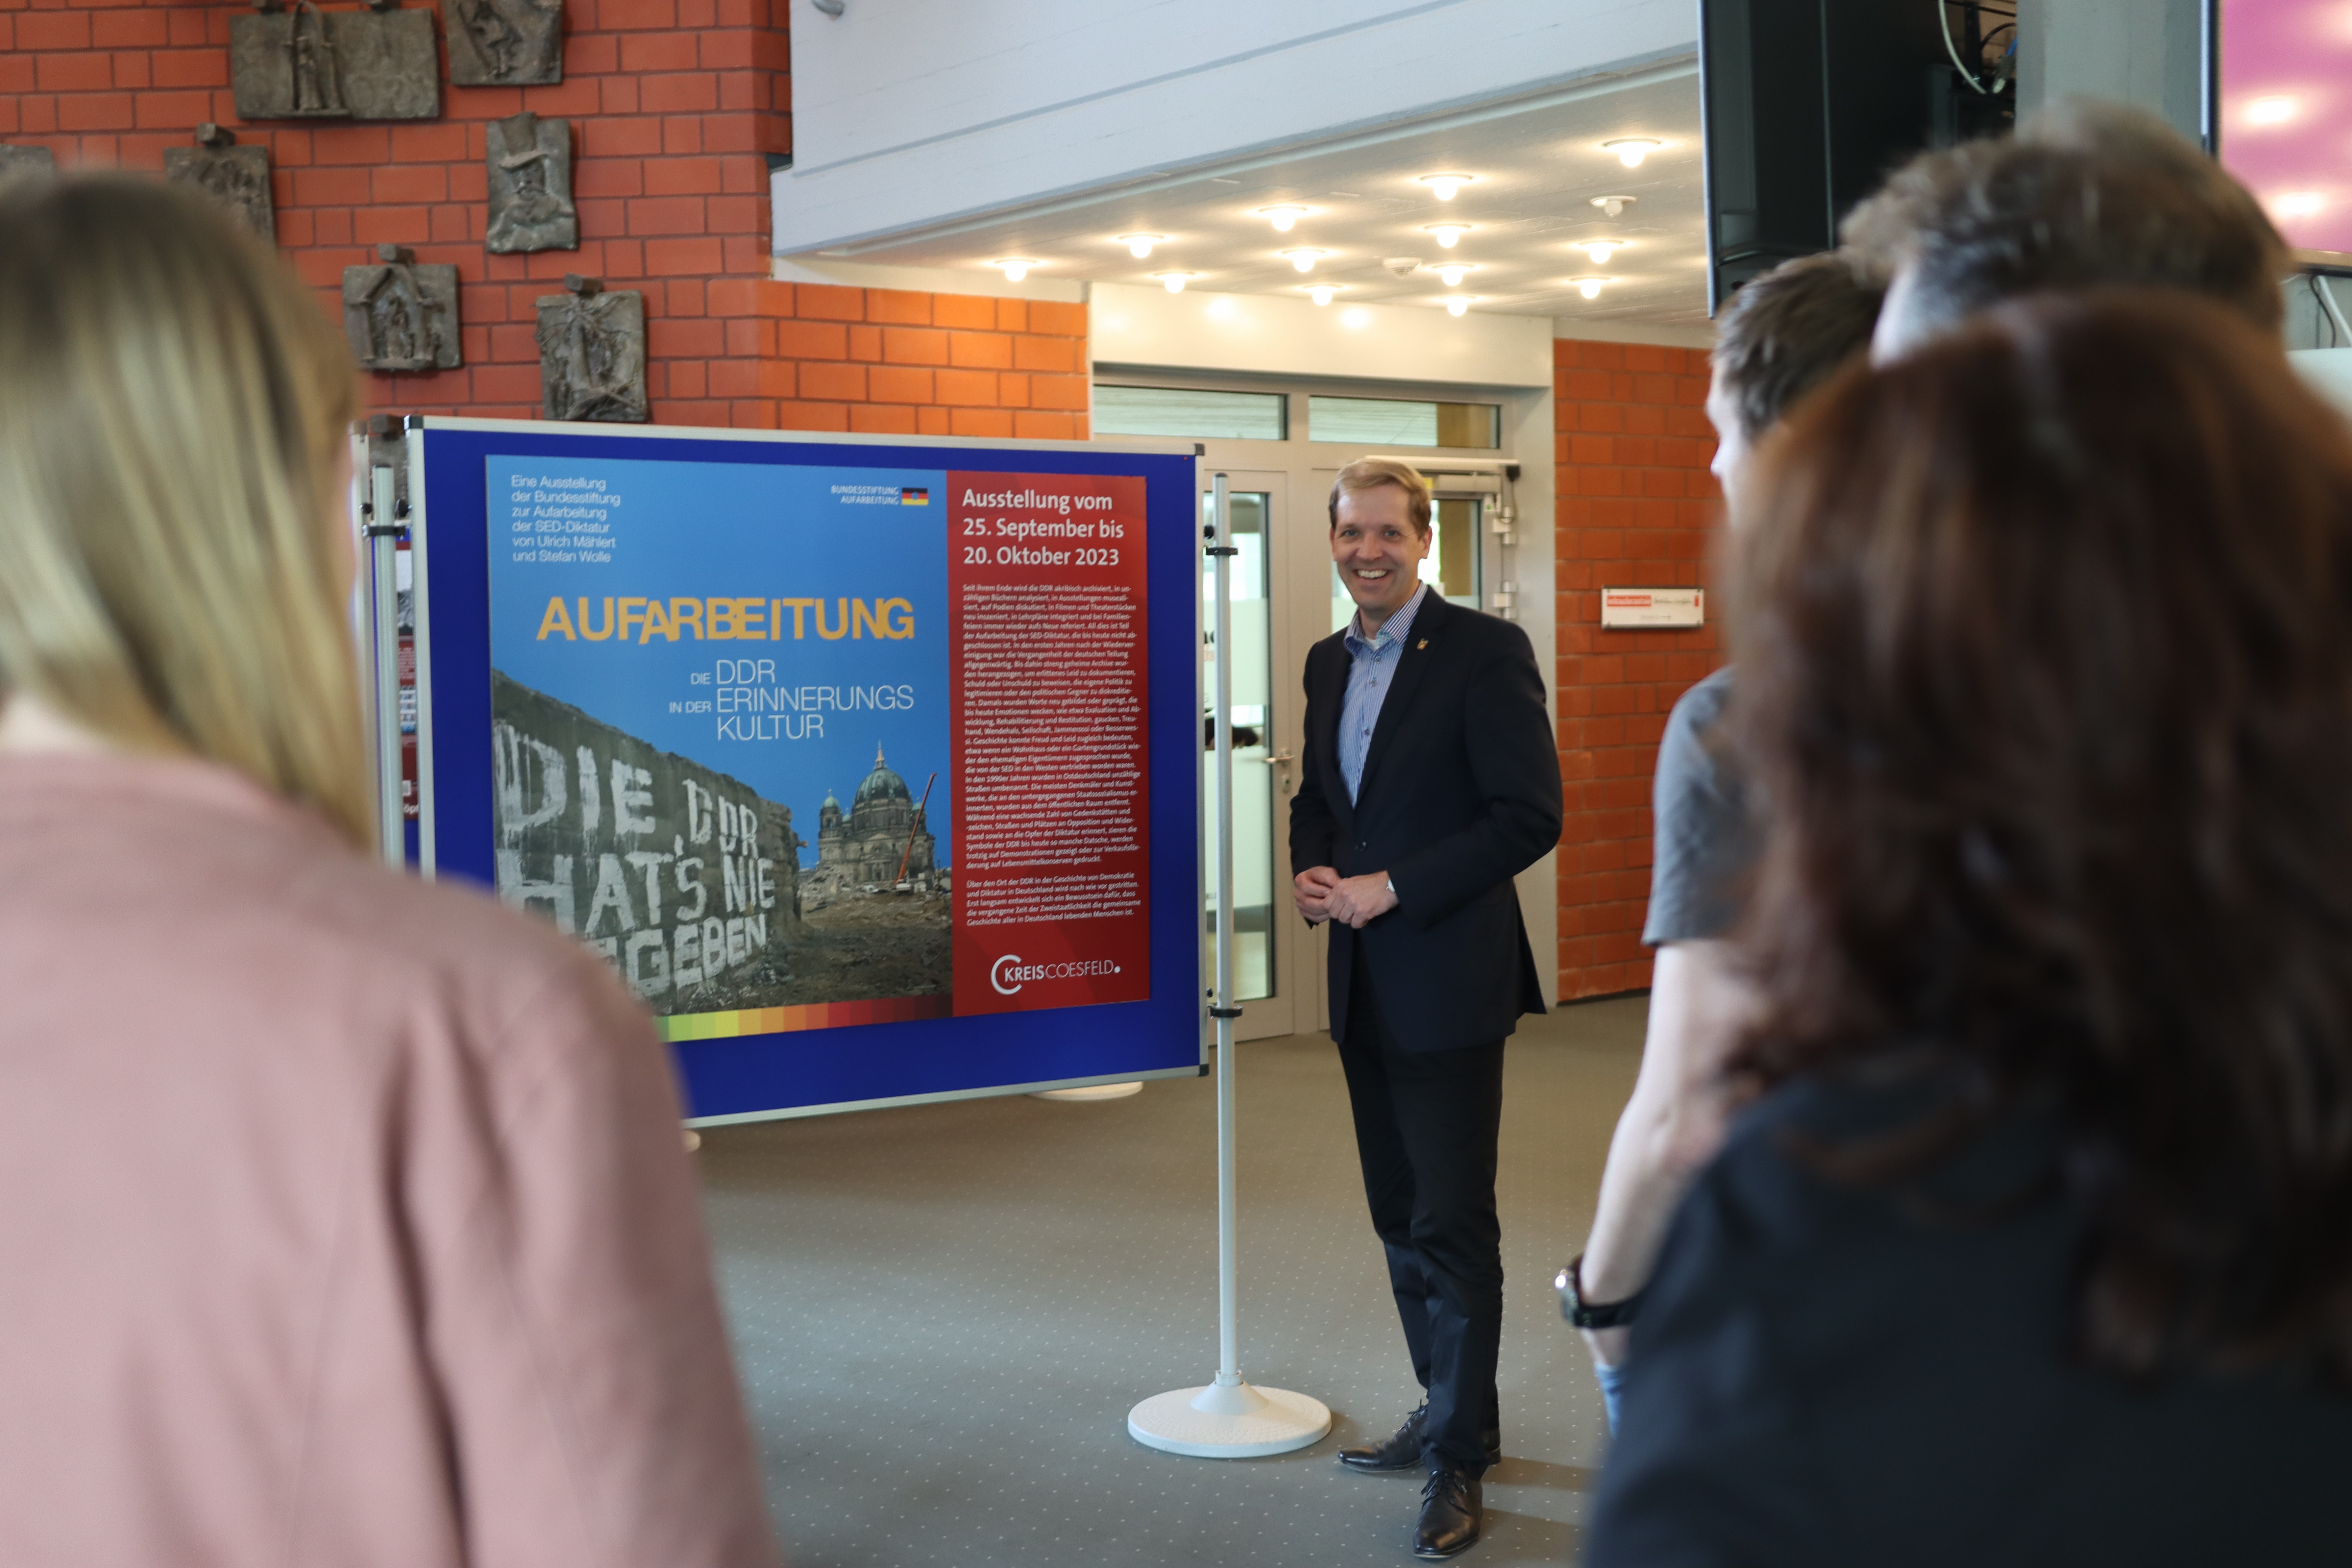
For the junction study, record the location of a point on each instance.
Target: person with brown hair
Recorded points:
(343, 1219)
(2038, 1248)
(2086, 195)
(1783, 334)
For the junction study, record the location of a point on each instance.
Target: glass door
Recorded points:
(1265, 928)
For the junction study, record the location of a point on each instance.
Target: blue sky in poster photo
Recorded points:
(793, 701)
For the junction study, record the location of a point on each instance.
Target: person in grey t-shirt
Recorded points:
(1781, 335)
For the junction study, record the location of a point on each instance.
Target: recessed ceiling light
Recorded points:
(1631, 149)
(2277, 110)
(2297, 204)
(1600, 251)
(1591, 287)
(1447, 234)
(1446, 184)
(1015, 268)
(1459, 303)
(1174, 281)
(1321, 292)
(1614, 205)
(1304, 259)
(1139, 244)
(1450, 273)
(1282, 217)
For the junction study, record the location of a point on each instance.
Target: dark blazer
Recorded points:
(1460, 793)
(1827, 1375)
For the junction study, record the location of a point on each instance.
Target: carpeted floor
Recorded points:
(943, 1314)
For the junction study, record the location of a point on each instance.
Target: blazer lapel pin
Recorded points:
(1422, 643)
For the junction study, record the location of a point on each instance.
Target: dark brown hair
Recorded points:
(2044, 640)
(1787, 331)
(2085, 195)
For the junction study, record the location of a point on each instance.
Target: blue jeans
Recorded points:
(1613, 1385)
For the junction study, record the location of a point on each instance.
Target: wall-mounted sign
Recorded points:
(1653, 606)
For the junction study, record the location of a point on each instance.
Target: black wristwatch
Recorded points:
(1584, 1314)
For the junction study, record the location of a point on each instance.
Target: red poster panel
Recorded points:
(1046, 657)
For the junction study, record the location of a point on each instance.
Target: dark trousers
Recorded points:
(1426, 1128)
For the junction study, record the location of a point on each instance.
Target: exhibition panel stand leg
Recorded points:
(1227, 1419)
(380, 528)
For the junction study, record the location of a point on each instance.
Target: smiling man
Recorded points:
(1430, 781)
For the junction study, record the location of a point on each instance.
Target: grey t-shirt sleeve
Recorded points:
(1707, 841)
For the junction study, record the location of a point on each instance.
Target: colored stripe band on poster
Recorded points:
(788, 1020)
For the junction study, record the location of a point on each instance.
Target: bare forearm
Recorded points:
(1670, 1127)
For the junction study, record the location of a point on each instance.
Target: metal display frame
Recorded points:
(1169, 470)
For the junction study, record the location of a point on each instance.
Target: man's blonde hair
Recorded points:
(1371, 473)
(172, 406)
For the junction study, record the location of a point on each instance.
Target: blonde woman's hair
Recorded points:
(173, 403)
(1371, 473)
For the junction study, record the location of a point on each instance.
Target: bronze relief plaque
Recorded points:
(400, 316)
(236, 177)
(26, 161)
(592, 353)
(530, 184)
(504, 43)
(309, 64)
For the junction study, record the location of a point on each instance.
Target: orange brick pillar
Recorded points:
(1637, 508)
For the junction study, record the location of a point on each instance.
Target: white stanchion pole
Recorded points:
(1227, 1419)
(382, 530)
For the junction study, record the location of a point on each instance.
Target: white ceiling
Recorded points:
(1539, 162)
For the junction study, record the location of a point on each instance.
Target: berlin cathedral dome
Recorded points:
(865, 849)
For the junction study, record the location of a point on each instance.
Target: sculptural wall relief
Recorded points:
(236, 177)
(504, 43)
(399, 315)
(592, 353)
(530, 184)
(303, 63)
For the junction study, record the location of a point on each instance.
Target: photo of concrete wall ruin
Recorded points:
(686, 881)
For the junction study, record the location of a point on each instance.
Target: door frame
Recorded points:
(1525, 574)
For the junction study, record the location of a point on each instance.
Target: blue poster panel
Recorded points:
(868, 767)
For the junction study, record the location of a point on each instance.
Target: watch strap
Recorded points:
(1584, 1314)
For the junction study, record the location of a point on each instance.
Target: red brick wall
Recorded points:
(806, 356)
(674, 104)
(1636, 509)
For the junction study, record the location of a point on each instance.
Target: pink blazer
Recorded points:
(344, 1220)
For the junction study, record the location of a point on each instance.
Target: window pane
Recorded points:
(1394, 422)
(1204, 415)
(1253, 778)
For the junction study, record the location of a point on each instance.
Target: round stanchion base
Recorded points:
(1089, 1091)
(1236, 1423)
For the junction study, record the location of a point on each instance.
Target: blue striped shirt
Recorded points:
(1372, 663)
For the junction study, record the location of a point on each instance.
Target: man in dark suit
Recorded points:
(1431, 780)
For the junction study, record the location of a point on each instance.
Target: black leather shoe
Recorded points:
(1401, 1450)
(1450, 1508)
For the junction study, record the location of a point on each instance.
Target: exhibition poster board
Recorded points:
(870, 765)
